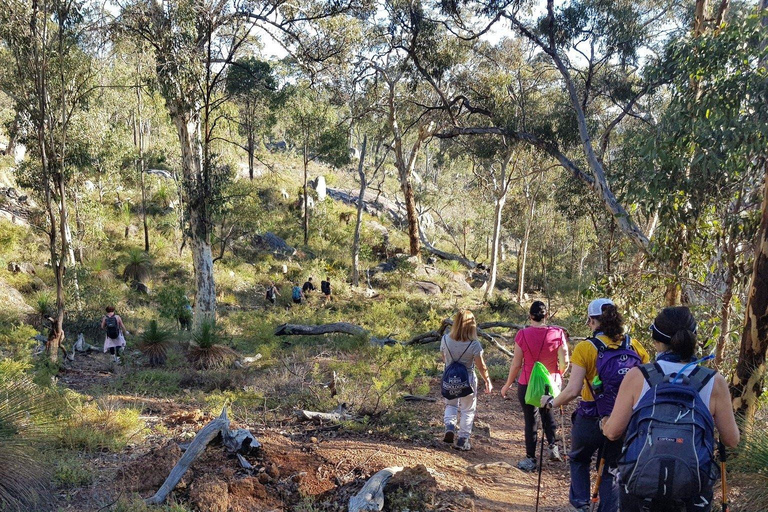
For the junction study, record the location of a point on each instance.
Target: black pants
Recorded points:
(115, 350)
(632, 504)
(531, 425)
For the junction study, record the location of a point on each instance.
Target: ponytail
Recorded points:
(611, 322)
(676, 327)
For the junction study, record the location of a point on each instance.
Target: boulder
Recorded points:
(140, 287)
(11, 301)
(319, 185)
(270, 242)
(427, 287)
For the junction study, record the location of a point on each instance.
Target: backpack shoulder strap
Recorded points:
(598, 343)
(448, 349)
(653, 373)
(627, 343)
(700, 377)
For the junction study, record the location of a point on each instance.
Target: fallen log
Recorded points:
(237, 441)
(247, 361)
(446, 255)
(311, 330)
(508, 325)
(371, 496)
(340, 414)
(419, 398)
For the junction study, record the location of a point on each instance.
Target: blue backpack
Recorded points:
(669, 449)
(296, 293)
(456, 377)
(612, 366)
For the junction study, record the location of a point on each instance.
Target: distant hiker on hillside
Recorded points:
(537, 342)
(296, 294)
(598, 366)
(461, 352)
(114, 343)
(653, 470)
(185, 315)
(272, 292)
(308, 287)
(325, 287)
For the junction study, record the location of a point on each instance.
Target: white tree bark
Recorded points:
(359, 218)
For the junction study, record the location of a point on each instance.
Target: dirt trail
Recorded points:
(331, 465)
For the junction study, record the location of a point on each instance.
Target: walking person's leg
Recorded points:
(467, 408)
(450, 419)
(531, 430)
(585, 441)
(550, 430)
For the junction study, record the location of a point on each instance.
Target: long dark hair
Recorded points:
(538, 311)
(676, 327)
(611, 322)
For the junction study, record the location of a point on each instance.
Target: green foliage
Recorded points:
(71, 472)
(154, 343)
(138, 266)
(24, 422)
(98, 426)
(173, 302)
(751, 464)
(208, 351)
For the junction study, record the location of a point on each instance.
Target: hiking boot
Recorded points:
(554, 453)
(527, 464)
(462, 444)
(448, 437)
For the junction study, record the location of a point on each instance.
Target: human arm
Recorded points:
(121, 325)
(722, 412)
(514, 370)
(563, 358)
(103, 322)
(629, 392)
(571, 390)
(480, 363)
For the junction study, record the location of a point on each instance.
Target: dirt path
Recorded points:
(328, 466)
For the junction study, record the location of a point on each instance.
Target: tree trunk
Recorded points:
(523, 254)
(501, 199)
(413, 217)
(725, 310)
(306, 196)
(251, 151)
(139, 141)
(188, 128)
(747, 383)
(359, 218)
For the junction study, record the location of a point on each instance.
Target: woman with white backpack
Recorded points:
(462, 352)
(669, 410)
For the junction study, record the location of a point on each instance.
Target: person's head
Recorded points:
(604, 317)
(538, 311)
(310, 279)
(464, 326)
(674, 330)
(327, 278)
(110, 309)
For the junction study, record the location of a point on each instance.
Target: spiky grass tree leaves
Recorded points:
(208, 351)
(138, 266)
(25, 419)
(154, 343)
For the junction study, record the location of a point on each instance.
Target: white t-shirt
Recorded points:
(669, 367)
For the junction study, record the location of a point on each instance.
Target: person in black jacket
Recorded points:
(325, 287)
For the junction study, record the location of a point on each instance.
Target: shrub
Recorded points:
(154, 343)
(207, 351)
(752, 463)
(138, 266)
(23, 479)
(99, 426)
(173, 302)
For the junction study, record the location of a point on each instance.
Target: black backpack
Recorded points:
(113, 330)
(270, 293)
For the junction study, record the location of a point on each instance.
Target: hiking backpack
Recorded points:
(270, 293)
(612, 366)
(456, 376)
(296, 293)
(669, 448)
(113, 330)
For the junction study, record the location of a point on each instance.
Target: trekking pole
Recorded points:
(541, 454)
(598, 481)
(723, 482)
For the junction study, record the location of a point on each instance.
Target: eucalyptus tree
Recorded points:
(314, 126)
(194, 43)
(50, 81)
(252, 86)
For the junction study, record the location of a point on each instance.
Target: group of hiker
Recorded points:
(300, 294)
(651, 424)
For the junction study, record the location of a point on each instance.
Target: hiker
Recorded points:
(272, 292)
(185, 315)
(603, 355)
(296, 294)
(308, 287)
(639, 401)
(325, 287)
(114, 342)
(537, 342)
(462, 347)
